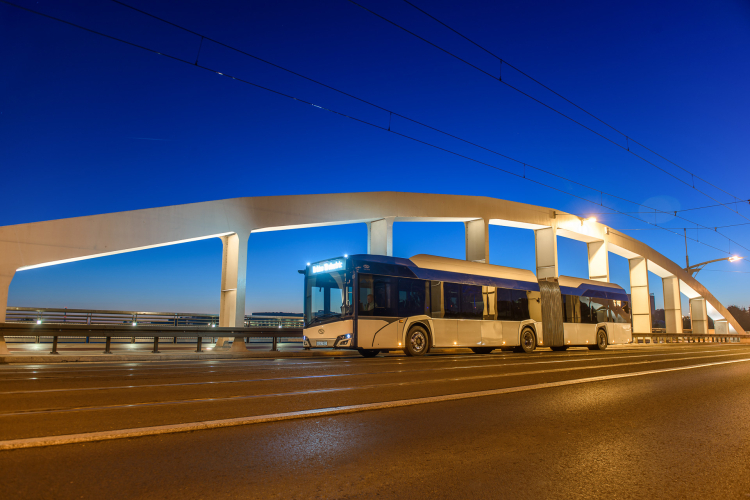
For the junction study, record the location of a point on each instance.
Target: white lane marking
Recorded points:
(239, 397)
(337, 410)
(577, 359)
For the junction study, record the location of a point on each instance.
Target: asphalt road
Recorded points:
(641, 422)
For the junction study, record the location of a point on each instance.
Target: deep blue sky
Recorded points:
(89, 125)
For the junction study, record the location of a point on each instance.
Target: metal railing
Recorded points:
(675, 338)
(31, 315)
(115, 332)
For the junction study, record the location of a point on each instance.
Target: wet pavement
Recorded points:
(678, 431)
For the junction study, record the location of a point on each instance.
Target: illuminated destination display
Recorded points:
(324, 267)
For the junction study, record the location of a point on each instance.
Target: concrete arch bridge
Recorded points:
(39, 244)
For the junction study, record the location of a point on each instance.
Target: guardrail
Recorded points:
(110, 332)
(673, 338)
(31, 315)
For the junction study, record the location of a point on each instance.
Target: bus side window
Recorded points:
(472, 305)
(586, 310)
(504, 305)
(520, 304)
(366, 295)
(411, 297)
(598, 309)
(451, 300)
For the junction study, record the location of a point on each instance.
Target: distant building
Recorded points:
(653, 304)
(282, 319)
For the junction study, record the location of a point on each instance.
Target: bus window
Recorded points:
(504, 305)
(598, 310)
(520, 305)
(411, 297)
(472, 305)
(366, 296)
(451, 300)
(571, 308)
(586, 310)
(619, 311)
(376, 296)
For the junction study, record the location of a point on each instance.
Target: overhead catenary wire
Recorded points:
(505, 82)
(390, 112)
(359, 120)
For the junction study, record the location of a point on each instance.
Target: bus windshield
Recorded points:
(328, 296)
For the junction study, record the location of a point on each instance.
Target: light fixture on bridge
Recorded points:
(589, 219)
(39, 322)
(735, 257)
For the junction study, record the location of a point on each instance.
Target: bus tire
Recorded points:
(368, 353)
(559, 348)
(601, 340)
(417, 341)
(528, 340)
(482, 350)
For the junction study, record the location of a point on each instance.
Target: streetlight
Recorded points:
(695, 268)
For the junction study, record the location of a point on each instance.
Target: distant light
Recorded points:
(213, 325)
(39, 322)
(134, 323)
(308, 263)
(346, 256)
(735, 257)
(590, 219)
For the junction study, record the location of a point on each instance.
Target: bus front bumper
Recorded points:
(345, 341)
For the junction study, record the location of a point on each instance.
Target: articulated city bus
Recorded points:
(376, 304)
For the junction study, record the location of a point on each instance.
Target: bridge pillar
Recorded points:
(698, 315)
(598, 261)
(672, 304)
(380, 237)
(640, 301)
(477, 241)
(5, 279)
(545, 241)
(233, 283)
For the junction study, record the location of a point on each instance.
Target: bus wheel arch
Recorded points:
(527, 340)
(417, 340)
(602, 339)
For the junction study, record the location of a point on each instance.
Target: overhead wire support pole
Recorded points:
(545, 104)
(549, 186)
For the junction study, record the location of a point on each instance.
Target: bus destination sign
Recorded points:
(324, 267)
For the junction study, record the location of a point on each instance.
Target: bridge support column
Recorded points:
(672, 304)
(233, 283)
(721, 327)
(477, 241)
(698, 315)
(598, 261)
(545, 241)
(5, 279)
(641, 303)
(380, 237)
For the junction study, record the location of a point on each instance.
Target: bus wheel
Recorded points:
(601, 340)
(416, 341)
(368, 353)
(481, 350)
(559, 348)
(528, 340)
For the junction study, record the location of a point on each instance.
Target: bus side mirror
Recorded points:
(301, 271)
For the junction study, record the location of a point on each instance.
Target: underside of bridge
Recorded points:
(39, 244)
